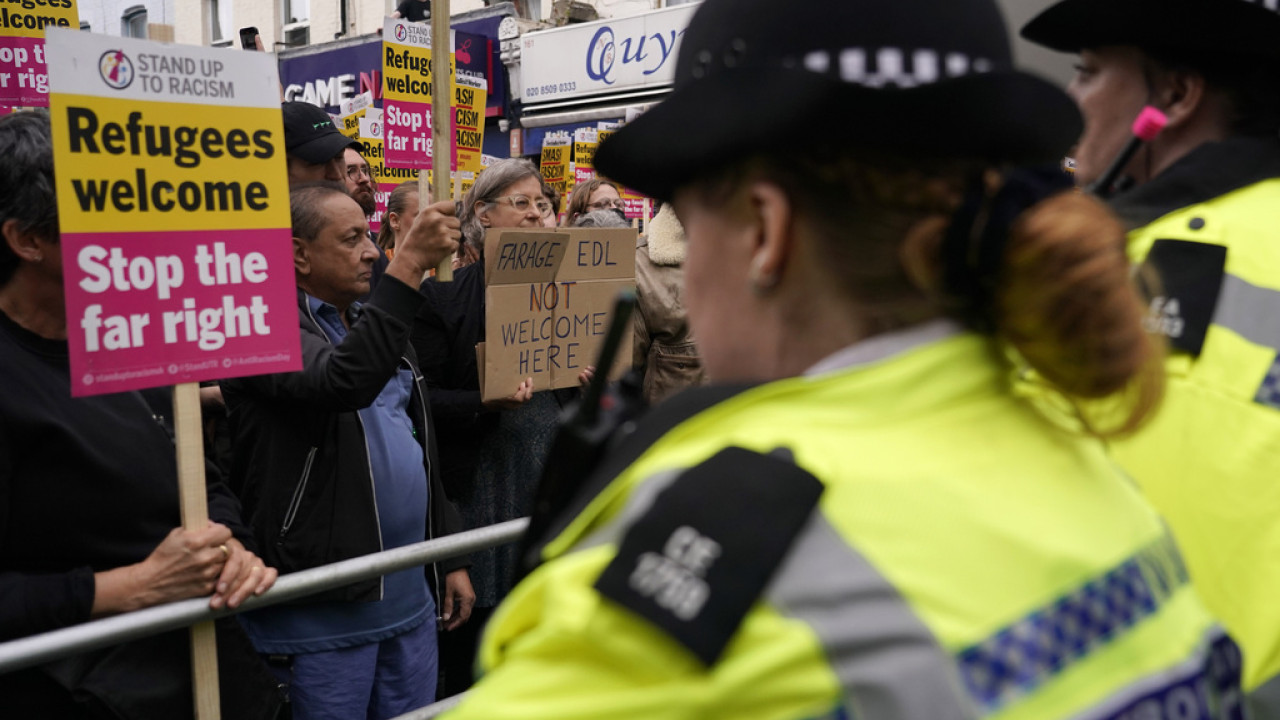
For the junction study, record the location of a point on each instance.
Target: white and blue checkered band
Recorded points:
(1021, 657)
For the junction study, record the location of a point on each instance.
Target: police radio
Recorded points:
(586, 430)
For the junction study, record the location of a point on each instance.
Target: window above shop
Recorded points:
(218, 20)
(295, 11)
(133, 22)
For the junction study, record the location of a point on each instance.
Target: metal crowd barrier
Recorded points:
(37, 649)
(435, 709)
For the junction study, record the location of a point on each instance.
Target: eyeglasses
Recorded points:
(355, 171)
(522, 203)
(607, 204)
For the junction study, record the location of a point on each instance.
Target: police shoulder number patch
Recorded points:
(703, 553)
(1188, 280)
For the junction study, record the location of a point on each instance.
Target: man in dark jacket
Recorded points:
(339, 460)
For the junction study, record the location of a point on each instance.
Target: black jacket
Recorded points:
(445, 334)
(86, 485)
(300, 458)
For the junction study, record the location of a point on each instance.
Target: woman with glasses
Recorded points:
(491, 452)
(595, 194)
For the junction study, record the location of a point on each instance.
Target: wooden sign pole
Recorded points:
(441, 106)
(195, 515)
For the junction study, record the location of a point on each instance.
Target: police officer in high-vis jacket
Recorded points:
(862, 520)
(1203, 206)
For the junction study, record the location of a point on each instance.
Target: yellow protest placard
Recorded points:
(350, 112)
(24, 74)
(585, 142)
(554, 163)
(470, 93)
(174, 212)
(407, 76)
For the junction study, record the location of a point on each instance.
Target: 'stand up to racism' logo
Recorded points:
(116, 69)
(401, 33)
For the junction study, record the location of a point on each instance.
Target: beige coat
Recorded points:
(664, 347)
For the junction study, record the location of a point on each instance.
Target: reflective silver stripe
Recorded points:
(1250, 311)
(890, 665)
(1264, 701)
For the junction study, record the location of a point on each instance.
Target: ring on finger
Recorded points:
(226, 552)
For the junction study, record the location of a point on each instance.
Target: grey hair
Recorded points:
(26, 182)
(307, 217)
(601, 219)
(490, 184)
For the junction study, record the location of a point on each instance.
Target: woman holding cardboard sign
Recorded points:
(868, 523)
(491, 452)
(89, 496)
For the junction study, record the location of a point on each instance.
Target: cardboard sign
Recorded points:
(469, 93)
(174, 209)
(549, 301)
(24, 76)
(407, 76)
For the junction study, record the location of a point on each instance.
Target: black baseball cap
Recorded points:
(309, 133)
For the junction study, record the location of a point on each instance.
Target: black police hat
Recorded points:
(1230, 28)
(932, 77)
(309, 133)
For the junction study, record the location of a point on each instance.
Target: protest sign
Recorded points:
(633, 203)
(351, 112)
(407, 77)
(174, 211)
(554, 163)
(24, 75)
(369, 135)
(469, 97)
(372, 131)
(585, 142)
(549, 299)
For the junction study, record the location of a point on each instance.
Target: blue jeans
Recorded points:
(375, 681)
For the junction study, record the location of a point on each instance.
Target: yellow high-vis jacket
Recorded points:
(893, 536)
(1210, 462)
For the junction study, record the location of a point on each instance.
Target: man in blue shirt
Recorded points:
(338, 460)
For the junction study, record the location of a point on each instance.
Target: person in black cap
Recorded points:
(865, 521)
(1200, 202)
(314, 147)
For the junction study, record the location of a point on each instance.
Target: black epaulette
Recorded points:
(702, 554)
(1184, 292)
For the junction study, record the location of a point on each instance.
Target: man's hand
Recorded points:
(433, 237)
(458, 599)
